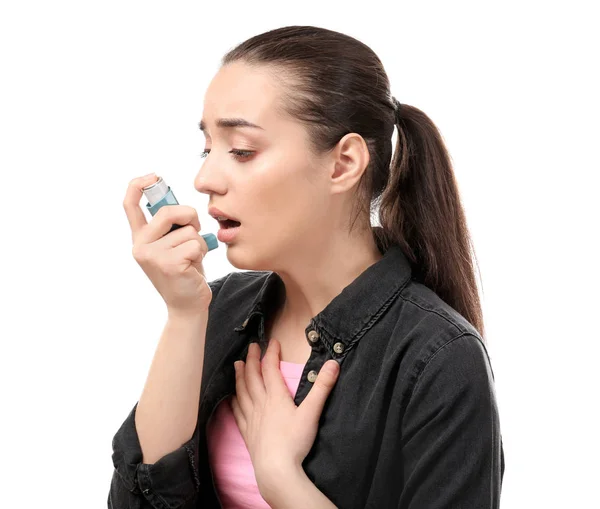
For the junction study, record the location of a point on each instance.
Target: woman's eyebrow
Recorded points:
(230, 123)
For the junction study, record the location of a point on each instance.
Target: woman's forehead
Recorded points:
(241, 91)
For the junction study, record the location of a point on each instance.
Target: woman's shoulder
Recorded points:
(235, 296)
(424, 303)
(430, 335)
(237, 284)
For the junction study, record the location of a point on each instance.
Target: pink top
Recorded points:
(228, 456)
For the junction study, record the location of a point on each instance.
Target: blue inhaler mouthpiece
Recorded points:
(159, 194)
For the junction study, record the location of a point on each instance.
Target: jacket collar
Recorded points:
(346, 318)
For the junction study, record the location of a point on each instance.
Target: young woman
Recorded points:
(361, 376)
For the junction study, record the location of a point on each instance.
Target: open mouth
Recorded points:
(229, 223)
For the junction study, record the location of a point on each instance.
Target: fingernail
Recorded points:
(332, 367)
(149, 175)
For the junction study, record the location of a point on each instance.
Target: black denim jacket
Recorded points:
(412, 421)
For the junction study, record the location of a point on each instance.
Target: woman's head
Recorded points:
(321, 159)
(295, 194)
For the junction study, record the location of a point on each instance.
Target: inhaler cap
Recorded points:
(155, 192)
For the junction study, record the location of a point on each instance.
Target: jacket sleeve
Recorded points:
(171, 482)
(452, 444)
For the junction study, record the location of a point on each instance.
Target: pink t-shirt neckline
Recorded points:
(291, 369)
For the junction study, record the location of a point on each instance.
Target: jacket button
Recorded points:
(312, 376)
(313, 336)
(338, 347)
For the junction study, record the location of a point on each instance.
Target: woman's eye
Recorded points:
(240, 154)
(236, 154)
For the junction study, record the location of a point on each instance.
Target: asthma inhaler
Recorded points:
(159, 194)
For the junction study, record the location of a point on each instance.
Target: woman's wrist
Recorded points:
(275, 482)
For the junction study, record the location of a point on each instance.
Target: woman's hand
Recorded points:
(172, 261)
(278, 434)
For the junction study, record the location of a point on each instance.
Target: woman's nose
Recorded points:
(207, 180)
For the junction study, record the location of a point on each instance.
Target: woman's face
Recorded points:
(278, 191)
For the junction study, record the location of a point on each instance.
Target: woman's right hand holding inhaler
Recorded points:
(172, 261)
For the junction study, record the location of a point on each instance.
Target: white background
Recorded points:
(94, 94)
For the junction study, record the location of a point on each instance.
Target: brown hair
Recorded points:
(335, 85)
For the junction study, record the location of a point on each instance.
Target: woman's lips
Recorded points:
(229, 223)
(227, 234)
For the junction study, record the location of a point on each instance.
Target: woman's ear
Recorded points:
(350, 159)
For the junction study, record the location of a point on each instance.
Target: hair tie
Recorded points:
(396, 109)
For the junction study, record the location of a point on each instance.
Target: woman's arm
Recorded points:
(451, 440)
(167, 411)
(155, 451)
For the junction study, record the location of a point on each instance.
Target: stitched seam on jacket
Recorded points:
(406, 299)
(357, 335)
(193, 465)
(431, 358)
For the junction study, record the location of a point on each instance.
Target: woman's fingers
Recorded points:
(312, 406)
(243, 398)
(180, 236)
(166, 217)
(143, 232)
(254, 378)
(238, 415)
(274, 382)
(131, 203)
